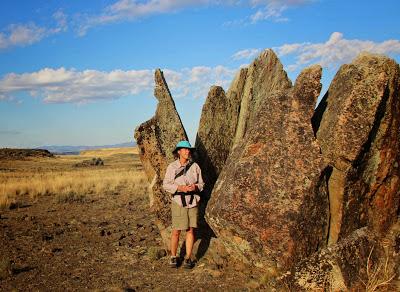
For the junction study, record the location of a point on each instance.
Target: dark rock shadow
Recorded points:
(16, 271)
(204, 233)
(19, 205)
(319, 113)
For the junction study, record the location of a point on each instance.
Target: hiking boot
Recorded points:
(188, 264)
(173, 262)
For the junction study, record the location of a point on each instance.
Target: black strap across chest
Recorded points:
(184, 170)
(181, 194)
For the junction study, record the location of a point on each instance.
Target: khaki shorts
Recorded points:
(183, 218)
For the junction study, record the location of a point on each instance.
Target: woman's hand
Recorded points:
(186, 189)
(192, 188)
(183, 189)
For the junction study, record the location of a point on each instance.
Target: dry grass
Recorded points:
(110, 151)
(379, 275)
(6, 199)
(59, 178)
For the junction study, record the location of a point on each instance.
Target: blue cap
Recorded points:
(183, 144)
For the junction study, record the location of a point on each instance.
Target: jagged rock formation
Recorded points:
(313, 198)
(343, 266)
(264, 76)
(226, 118)
(269, 205)
(156, 139)
(217, 127)
(213, 143)
(358, 127)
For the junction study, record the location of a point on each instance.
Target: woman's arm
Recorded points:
(200, 183)
(169, 184)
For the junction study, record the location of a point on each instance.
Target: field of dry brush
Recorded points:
(69, 225)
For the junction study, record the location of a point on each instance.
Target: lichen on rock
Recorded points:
(272, 186)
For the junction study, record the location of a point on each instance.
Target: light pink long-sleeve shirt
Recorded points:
(192, 176)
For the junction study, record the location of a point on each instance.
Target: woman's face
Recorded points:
(184, 153)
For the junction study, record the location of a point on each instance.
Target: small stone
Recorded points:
(47, 237)
(5, 268)
(156, 253)
(56, 250)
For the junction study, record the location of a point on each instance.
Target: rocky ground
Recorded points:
(105, 243)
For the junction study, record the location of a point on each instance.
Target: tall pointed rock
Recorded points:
(264, 76)
(269, 205)
(226, 118)
(358, 127)
(156, 139)
(217, 127)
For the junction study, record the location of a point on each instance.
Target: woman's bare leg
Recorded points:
(174, 241)
(189, 241)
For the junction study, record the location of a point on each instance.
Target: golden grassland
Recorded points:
(110, 151)
(61, 178)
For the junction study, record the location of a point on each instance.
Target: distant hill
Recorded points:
(21, 154)
(77, 149)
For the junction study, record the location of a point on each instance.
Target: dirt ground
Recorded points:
(100, 243)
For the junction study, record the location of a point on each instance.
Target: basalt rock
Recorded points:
(358, 128)
(356, 263)
(213, 144)
(264, 76)
(226, 117)
(270, 205)
(218, 126)
(156, 139)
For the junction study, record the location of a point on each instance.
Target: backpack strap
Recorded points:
(181, 194)
(183, 171)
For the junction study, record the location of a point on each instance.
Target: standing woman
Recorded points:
(184, 182)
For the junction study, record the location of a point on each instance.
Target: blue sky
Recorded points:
(81, 72)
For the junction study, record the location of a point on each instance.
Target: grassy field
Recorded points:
(67, 225)
(66, 179)
(110, 151)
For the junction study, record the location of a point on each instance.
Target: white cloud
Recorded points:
(196, 82)
(27, 34)
(21, 35)
(62, 21)
(273, 9)
(72, 86)
(63, 86)
(335, 51)
(246, 54)
(128, 10)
